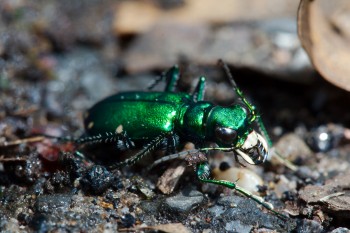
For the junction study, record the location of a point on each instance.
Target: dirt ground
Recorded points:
(58, 58)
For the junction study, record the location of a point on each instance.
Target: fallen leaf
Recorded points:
(134, 17)
(168, 181)
(324, 31)
(333, 197)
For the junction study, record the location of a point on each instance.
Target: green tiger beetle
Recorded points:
(157, 118)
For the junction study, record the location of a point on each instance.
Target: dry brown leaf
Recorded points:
(168, 181)
(140, 16)
(333, 196)
(324, 30)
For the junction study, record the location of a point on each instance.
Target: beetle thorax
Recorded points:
(227, 126)
(192, 120)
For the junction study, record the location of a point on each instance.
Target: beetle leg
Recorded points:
(192, 157)
(172, 142)
(171, 76)
(198, 93)
(106, 137)
(151, 146)
(180, 155)
(125, 143)
(203, 172)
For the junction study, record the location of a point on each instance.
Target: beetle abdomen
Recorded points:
(143, 115)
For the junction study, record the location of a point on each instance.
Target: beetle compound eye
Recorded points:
(225, 135)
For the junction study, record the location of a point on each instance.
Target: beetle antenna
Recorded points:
(237, 90)
(255, 116)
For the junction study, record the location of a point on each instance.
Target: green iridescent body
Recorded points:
(145, 115)
(157, 118)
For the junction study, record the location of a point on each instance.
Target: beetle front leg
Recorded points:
(203, 172)
(198, 93)
(171, 76)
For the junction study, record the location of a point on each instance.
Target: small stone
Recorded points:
(128, 220)
(340, 230)
(216, 210)
(10, 225)
(55, 202)
(242, 177)
(292, 148)
(184, 202)
(283, 185)
(97, 179)
(237, 226)
(306, 226)
(39, 223)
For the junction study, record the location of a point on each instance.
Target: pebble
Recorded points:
(128, 220)
(306, 226)
(292, 148)
(341, 230)
(55, 202)
(184, 202)
(283, 185)
(243, 177)
(97, 179)
(237, 226)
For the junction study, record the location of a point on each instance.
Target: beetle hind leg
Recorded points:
(151, 146)
(171, 76)
(125, 143)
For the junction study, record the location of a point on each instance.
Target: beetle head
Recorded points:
(231, 129)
